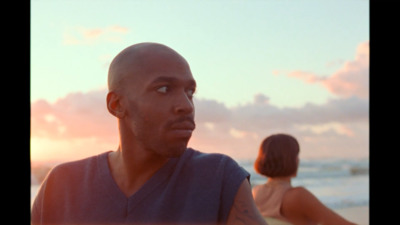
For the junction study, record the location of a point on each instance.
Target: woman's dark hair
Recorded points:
(277, 156)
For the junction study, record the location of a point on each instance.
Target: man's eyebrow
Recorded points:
(165, 79)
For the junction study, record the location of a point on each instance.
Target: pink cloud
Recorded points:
(92, 33)
(119, 29)
(352, 79)
(306, 76)
(78, 115)
(82, 35)
(80, 124)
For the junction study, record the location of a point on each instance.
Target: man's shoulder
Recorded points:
(213, 162)
(77, 168)
(197, 156)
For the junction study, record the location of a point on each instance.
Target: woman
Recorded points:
(278, 160)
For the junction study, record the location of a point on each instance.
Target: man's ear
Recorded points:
(114, 105)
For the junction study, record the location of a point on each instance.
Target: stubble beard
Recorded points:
(153, 141)
(156, 140)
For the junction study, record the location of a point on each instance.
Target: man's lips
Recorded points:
(182, 123)
(183, 126)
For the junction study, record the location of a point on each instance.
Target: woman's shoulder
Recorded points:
(257, 189)
(298, 199)
(297, 193)
(299, 204)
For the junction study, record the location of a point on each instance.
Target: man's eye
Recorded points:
(191, 92)
(163, 89)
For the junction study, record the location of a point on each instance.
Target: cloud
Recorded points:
(84, 36)
(308, 77)
(119, 29)
(338, 128)
(326, 127)
(352, 79)
(77, 115)
(81, 123)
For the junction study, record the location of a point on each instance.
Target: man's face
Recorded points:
(160, 110)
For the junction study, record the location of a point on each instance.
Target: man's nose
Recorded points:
(183, 104)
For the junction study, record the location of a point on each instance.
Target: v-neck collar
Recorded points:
(115, 192)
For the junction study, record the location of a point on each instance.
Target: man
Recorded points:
(152, 178)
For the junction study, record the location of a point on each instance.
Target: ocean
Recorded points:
(336, 183)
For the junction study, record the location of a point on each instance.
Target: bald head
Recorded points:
(138, 59)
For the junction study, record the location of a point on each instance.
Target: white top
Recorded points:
(268, 197)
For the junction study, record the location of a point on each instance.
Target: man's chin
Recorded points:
(176, 152)
(171, 148)
(176, 148)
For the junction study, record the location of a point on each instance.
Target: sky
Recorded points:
(261, 67)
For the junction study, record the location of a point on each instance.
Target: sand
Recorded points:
(358, 215)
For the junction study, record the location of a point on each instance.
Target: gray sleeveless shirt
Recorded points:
(196, 188)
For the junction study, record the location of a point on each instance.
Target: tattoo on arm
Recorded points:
(243, 213)
(244, 210)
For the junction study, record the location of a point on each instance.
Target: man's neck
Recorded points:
(132, 169)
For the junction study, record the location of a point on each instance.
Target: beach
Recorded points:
(358, 214)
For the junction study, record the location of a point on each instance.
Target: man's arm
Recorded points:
(244, 211)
